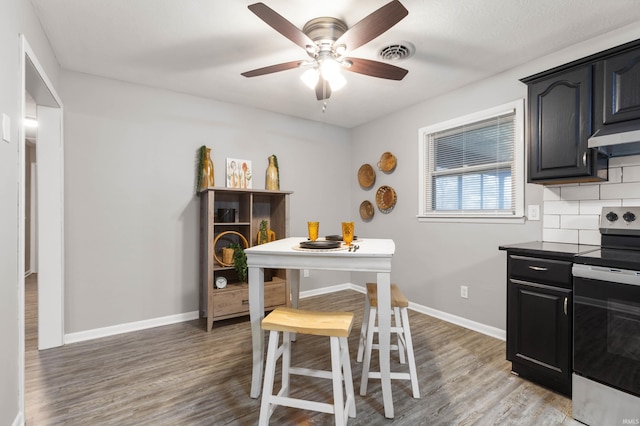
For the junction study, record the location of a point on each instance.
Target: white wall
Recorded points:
(17, 17)
(434, 259)
(131, 215)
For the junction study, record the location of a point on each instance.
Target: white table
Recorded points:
(374, 255)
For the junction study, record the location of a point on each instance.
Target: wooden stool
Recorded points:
(336, 326)
(399, 303)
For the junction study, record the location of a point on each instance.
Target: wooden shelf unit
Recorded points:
(252, 207)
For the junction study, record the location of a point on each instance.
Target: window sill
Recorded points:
(473, 219)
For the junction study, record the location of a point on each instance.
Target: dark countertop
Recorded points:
(543, 248)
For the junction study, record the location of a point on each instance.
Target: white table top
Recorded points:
(373, 255)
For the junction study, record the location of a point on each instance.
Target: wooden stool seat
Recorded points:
(336, 326)
(404, 346)
(293, 320)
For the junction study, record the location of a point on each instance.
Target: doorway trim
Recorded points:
(53, 310)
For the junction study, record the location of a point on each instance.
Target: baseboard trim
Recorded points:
(128, 327)
(462, 322)
(172, 319)
(19, 420)
(453, 319)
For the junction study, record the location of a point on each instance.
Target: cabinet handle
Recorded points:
(584, 158)
(538, 268)
(565, 305)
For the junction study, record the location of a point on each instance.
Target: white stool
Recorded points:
(399, 303)
(336, 326)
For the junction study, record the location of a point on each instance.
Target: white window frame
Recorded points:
(426, 215)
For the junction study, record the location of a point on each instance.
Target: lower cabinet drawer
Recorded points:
(235, 298)
(541, 270)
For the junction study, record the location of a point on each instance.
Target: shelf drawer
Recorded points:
(235, 298)
(541, 270)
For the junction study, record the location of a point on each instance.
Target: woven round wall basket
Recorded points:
(226, 235)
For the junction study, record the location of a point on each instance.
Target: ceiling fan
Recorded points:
(326, 40)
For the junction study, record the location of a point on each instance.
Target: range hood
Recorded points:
(622, 139)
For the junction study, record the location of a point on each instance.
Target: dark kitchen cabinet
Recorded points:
(620, 76)
(560, 121)
(539, 320)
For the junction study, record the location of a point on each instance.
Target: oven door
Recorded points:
(606, 326)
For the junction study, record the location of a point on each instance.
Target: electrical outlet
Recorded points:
(305, 273)
(534, 212)
(464, 292)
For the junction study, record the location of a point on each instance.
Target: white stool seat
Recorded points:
(404, 346)
(336, 326)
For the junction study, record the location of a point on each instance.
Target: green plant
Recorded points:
(239, 261)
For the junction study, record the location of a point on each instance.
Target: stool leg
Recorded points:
(366, 362)
(412, 361)
(269, 373)
(286, 362)
(363, 330)
(336, 369)
(399, 335)
(348, 379)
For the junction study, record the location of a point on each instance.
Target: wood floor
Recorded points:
(181, 375)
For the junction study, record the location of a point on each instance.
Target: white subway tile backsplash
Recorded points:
(560, 235)
(569, 193)
(620, 191)
(632, 160)
(551, 221)
(615, 175)
(595, 206)
(571, 213)
(561, 207)
(631, 174)
(586, 236)
(577, 221)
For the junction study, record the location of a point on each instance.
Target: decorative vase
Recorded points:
(227, 255)
(207, 171)
(273, 178)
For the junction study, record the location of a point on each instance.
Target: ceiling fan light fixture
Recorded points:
(329, 68)
(337, 82)
(310, 78)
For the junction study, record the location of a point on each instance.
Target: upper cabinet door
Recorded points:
(560, 122)
(621, 87)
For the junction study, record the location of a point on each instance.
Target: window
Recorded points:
(472, 166)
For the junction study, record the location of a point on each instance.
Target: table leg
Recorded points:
(295, 286)
(256, 314)
(384, 339)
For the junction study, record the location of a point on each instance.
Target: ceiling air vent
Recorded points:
(396, 51)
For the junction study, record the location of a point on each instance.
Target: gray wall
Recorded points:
(17, 17)
(434, 259)
(131, 215)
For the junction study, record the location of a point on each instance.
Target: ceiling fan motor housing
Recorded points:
(324, 28)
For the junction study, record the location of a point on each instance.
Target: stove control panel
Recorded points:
(620, 219)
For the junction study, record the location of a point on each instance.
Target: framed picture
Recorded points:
(238, 173)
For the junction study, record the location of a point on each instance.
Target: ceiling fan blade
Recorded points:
(373, 25)
(272, 68)
(323, 89)
(281, 25)
(375, 69)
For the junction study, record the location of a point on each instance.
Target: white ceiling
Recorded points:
(200, 47)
